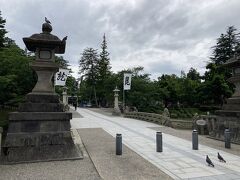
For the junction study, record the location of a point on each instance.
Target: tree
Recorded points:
(104, 64)
(16, 76)
(104, 73)
(226, 46)
(193, 74)
(217, 74)
(89, 68)
(2, 31)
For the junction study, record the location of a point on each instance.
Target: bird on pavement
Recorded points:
(221, 158)
(47, 21)
(209, 162)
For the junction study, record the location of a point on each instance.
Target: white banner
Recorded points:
(61, 77)
(127, 81)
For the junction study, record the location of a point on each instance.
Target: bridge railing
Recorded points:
(160, 119)
(145, 116)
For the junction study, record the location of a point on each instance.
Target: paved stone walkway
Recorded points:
(178, 160)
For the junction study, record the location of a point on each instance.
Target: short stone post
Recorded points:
(227, 138)
(1, 130)
(119, 144)
(159, 142)
(195, 139)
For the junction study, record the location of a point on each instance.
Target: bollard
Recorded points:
(227, 138)
(119, 144)
(195, 139)
(159, 142)
(1, 130)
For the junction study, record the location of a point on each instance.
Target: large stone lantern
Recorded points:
(229, 116)
(40, 130)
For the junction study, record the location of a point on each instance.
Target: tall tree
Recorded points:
(89, 68)
(2, 30)
(217, 74)
(104, 73)
(226, 46)
(104, 64)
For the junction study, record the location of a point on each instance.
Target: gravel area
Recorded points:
(55, 170)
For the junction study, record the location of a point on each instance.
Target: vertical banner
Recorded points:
(61, 77)
(127, 81)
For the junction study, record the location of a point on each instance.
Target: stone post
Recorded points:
(159, 142)
(116, 110)
(119, 144)
(227, 138)
(195, 140)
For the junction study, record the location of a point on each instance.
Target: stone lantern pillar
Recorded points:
(65, 98)
(229, 116)
(116, 110)
(40, 130)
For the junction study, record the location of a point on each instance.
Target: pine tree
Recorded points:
(104, 65)
(226, 46)
(2, 31)
(104, 72)
(217, 74)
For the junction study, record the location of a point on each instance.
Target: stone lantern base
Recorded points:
(116, 112)
(39, 131)
(228, 118)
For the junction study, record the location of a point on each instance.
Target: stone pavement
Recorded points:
(178, 160)
(101, 149)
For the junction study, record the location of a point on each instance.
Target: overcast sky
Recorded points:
(163, 36)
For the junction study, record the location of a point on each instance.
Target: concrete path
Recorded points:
(100, 147)
(178, 160)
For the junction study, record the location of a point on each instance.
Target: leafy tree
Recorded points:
(16, 77)
(89, 68)
(193, 74)
(63, 63)
(2, 31)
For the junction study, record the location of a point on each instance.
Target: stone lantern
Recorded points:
(116, 110)
(229, 116)
(40, 130)
(64, 94)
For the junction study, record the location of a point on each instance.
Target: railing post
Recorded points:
(195, 139)
(159, 142)
(227, 138)
(119, 144)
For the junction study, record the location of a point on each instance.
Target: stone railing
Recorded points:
(160, 119)
(181, 124)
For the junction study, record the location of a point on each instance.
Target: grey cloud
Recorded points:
(171, 27)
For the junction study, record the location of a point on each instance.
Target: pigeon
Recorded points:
(220, 158)
(47, 21)
(209, 162)
(64, 39)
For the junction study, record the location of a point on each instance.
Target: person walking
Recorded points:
(75, 105)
